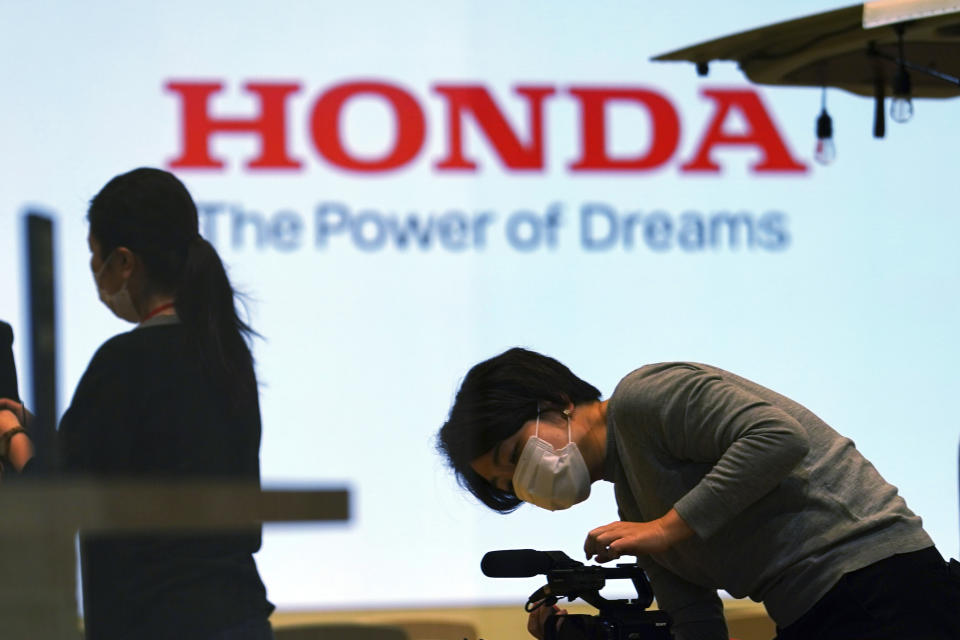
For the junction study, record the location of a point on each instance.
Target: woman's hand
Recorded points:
(538, 619)
(16, 408)
(8, 420)
(613, 540)
(18, 448)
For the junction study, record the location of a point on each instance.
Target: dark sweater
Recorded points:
(145, 409)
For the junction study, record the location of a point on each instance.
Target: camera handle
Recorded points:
(577, 583)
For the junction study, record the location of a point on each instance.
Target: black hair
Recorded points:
(150, 212)
(496, 398)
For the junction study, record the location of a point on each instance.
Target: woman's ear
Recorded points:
(125, 260)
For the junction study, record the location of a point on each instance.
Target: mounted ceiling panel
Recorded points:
(835, 49)
(883, 12)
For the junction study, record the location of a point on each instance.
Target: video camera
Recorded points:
(616, 619)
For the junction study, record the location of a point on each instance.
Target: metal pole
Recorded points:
(43, 338)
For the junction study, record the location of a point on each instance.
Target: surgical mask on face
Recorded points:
(550, 478)
(120, 302)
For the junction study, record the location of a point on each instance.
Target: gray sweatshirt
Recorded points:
(781, 504)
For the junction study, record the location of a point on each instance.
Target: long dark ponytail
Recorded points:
(150, 212)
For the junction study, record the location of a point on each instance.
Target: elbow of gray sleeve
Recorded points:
(725, 492)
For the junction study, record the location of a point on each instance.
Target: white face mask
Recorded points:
(549, 478)
(120, 302)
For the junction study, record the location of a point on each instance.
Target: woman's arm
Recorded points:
(692, 414)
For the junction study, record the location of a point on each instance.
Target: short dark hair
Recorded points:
(496, 398)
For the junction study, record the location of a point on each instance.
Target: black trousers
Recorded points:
(909, 596)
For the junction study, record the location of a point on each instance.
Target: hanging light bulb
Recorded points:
(901, 107)
(825, 151)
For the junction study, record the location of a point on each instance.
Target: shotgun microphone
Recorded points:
(524, 563)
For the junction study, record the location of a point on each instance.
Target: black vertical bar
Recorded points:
(43, 338)
(879, 117)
